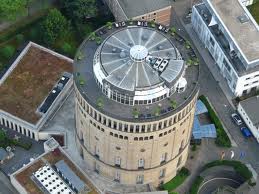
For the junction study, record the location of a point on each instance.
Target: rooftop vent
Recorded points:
(114, 50)
(160, 47)
(243, 18)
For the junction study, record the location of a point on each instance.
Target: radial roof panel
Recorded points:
(124, 54)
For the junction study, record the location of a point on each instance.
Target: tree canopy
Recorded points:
(54, 27)
(80, 9)
(11, 9)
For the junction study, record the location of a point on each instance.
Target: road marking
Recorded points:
(216, 179)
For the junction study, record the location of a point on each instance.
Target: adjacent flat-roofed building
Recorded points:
(44, 175)
(249, 111)
(231, 35)
(32, 88)
(148, 10)
(135, 102)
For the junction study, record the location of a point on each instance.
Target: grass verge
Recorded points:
(196, 185)
(177, 180)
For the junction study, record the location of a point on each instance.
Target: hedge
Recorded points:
(222, 137)
(196, 185)
(177, 180)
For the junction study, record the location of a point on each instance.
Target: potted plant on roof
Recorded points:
(109, 25)
(196, 61)
(81, 81)
(92, 36)
(157, 111)
(98, 40)
(130, 21)
(173, 104)
(187, 44)
(173, 31)
(79, 55)
(189, 62)
(100, 102)
(135, 113)
(152, 23)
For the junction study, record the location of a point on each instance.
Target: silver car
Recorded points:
(237, 119)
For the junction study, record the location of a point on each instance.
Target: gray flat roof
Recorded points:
(127, 74)
(251, 107)
(70, 175)
(246, 34)
(133, 8)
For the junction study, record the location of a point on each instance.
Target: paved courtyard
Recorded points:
(21, 156)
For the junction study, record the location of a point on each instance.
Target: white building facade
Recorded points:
(228, 34)
(249, 111)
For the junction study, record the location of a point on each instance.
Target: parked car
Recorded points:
(246, 132)
(237, 119)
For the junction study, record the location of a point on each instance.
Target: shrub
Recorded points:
(177, 180)
(19, 38)
(7, 52)
(24, 145)
(67, 48)
(222, 137)
(100, 102)
(173, 104)
(135, 113)
(196, 185)
(194, 147)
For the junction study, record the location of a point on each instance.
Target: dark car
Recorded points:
(246, 132)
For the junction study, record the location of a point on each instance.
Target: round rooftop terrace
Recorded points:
(137, 58)
(134, 65)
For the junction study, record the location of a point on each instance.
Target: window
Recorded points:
(179, 161)
(212, 41)
(162, 173)
(163, 158)
(117, 176)
(141, 163)
(97, 168)
(96, 151)
(117, 161)
(140, 179)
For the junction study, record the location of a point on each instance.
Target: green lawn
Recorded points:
(254, 9)
(176, 181)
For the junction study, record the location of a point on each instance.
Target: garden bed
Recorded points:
(222, 137)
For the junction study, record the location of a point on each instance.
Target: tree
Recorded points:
(54, 27)
(11, 9)
(80, 9)
(7, 52)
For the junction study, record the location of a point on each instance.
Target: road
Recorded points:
(5, 185)
(209, 86)
(215, 183)
(212, 88)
